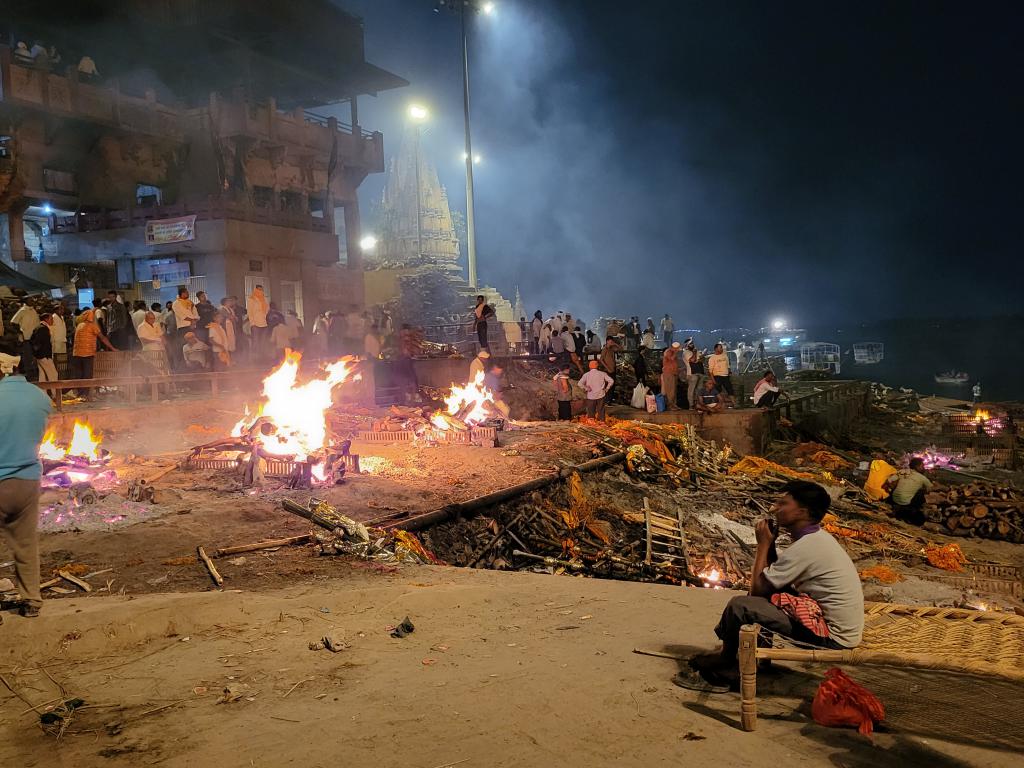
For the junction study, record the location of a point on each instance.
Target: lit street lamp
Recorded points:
(368, 243)
(476, 158)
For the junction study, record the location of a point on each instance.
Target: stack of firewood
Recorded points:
(987, 511)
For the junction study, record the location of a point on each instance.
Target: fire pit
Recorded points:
(82, 462)
(471, 416)
(286, 436)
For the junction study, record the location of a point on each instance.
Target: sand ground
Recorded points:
(503, 669)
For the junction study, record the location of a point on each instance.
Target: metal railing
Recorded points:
(322, 120)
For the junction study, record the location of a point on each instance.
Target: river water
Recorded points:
(990, 350)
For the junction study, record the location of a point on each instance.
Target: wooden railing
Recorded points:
(130, 386)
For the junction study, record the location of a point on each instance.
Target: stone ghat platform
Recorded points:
(747, 430)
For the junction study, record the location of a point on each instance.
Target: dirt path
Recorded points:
(503, 669)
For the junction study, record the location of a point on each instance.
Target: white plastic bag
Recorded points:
(652, 404)
(639, 397)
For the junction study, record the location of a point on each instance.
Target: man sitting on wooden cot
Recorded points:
(810, 592)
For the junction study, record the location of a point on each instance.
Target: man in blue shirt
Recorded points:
(24, 409)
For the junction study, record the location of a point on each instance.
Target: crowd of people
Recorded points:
(40, 55)
(689, 377)
(186, 334)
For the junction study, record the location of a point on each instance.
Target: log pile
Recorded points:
(982, 510)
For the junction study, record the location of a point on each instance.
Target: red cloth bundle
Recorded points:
(842, 702)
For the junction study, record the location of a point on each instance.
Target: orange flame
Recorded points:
(474, 393)
(981, 415)
(84, 444)
(296, 411)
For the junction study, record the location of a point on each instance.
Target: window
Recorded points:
(262, 196)
(316, 207)
(291, 202)
(147, 196)
(291, 297)
(255, 265)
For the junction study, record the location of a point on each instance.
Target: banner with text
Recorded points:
(171, 230)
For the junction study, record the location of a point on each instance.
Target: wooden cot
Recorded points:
(985, 643)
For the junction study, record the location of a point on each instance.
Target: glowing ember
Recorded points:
(933, 458)
(467, 403)
(987, 423)
(712, 578)
(292, 415)
(84, 445)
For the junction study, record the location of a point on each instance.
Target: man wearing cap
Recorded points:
(596, 384)
(479, 364)
(670, 374)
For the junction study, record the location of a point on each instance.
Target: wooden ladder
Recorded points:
(666, 541)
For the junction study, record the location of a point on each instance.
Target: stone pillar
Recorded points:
(352, 235)
(16, 233)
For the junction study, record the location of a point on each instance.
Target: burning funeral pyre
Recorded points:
(286, 435)
(81, 461)
(472, 414)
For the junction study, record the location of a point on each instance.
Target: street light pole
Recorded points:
(419, 196)
(470, 226)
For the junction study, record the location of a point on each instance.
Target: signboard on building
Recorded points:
(177, 272)
(177, 230)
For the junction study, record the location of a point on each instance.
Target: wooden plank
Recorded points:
(682, 539)
(647, 517)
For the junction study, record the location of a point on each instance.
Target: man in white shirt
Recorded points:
(810, 592)
(185, 314)
(668, 328)
(27, 319)
(596, 384)
(185, 318)
(150, 334)
(766, 391)
(59, 332)
(718, 368)
(535, 328)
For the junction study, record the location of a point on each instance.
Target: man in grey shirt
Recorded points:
(814, 566)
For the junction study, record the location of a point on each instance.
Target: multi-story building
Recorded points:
(158, 143)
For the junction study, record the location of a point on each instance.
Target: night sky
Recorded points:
(727, 162)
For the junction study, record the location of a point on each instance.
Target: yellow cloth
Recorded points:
(880, 472)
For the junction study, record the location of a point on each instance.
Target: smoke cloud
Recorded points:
(726, 164)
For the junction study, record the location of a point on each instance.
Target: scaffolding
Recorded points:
(820, 356)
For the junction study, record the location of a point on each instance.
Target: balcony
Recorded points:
(207, 209)
(298, 130)
(66, 95)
